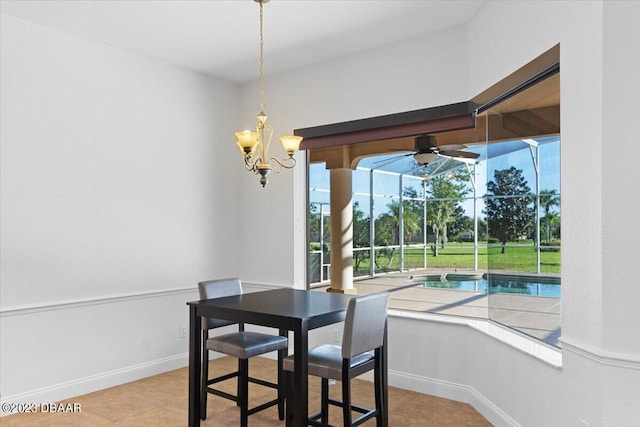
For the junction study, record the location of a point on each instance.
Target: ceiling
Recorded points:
(220, 37)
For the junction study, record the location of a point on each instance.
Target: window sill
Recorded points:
(543, 352)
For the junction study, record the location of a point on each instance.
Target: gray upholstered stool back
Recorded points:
(364, 324)
(217, 289)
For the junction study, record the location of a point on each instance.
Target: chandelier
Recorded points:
(254, 146)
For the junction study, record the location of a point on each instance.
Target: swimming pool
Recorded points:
(541, 286)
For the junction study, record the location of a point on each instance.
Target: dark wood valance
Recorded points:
(411, 123)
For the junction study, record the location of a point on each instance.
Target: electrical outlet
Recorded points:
(183, 331)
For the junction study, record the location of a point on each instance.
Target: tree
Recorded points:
(509, 210)
(314, 223)
(482, 229)
(445, 191)
(548, 200)
(413, 207)
(388, 226)
(360, 235)
(385, 235)
(316, 235)
(461, 224)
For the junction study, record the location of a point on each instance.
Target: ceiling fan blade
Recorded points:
(450, 147)
(458, 153)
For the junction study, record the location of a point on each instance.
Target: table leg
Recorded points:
(385, 380)
(194, 367)
(300, 376)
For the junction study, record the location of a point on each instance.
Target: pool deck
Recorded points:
(532, 315)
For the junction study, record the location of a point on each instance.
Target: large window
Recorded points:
(474, 235)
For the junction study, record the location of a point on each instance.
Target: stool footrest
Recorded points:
(222, 378)
(313, 420)
(368, 413)
(235, 398)
(222, 394)
(353, 407)
(263, 382)
(263, 406)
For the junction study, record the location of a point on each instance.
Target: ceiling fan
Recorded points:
(426, 151)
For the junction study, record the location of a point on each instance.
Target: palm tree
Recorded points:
(388, 226)
(410, 221)
(548, 200)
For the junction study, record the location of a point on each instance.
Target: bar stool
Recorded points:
(242, 345)
(363, 332)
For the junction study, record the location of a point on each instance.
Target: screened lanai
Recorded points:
(460, 270)
(385, 184)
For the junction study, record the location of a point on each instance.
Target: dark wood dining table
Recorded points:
(285, 309)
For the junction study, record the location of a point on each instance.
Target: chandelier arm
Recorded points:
(251, 164)
(287, 163)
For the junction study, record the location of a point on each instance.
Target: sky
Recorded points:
(501, 156)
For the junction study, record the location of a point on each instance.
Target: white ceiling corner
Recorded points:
(220, 37)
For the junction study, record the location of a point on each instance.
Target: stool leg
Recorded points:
(239, 387)
(377, 381)
(243, 379)
(324, 401)
(346, 396)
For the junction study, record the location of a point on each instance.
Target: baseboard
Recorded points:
(435, 387)
(452, 391)
(58, 392)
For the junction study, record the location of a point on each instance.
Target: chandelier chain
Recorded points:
(261, 107)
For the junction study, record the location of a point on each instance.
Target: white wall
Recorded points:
(620, 132)
(620, 193)
(117, 198)
(458, 362)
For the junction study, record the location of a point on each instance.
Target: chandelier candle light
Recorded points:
(249, 142)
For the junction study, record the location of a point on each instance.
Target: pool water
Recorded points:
(543, 287)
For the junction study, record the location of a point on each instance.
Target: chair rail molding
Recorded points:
(84, 302)
(600, 356)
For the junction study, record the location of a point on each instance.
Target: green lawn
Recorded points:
(460, 256)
